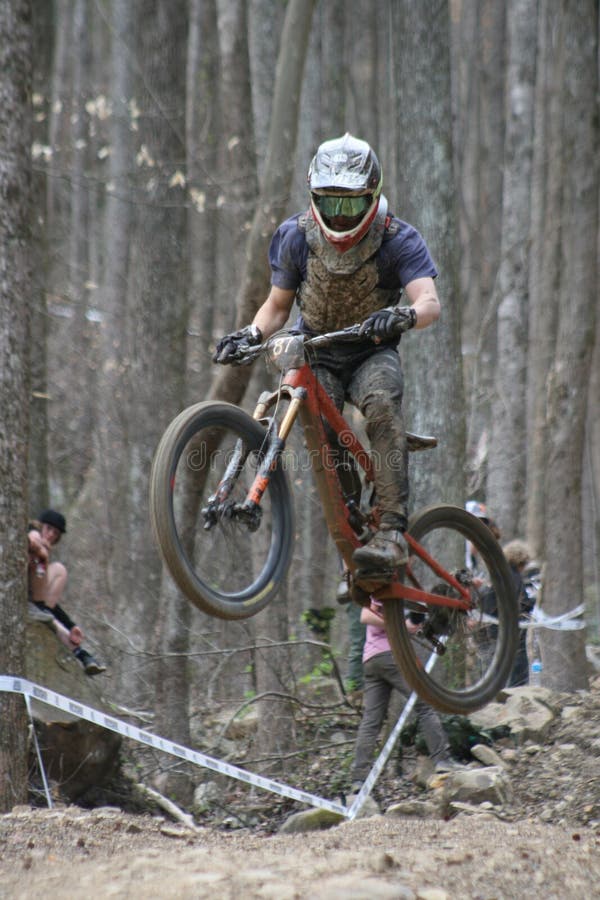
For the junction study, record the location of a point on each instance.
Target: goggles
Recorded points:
(332, 205)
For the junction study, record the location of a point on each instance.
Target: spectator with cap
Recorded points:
(47, 584)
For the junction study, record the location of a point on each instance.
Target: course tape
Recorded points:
(11, 684)
(568, 621)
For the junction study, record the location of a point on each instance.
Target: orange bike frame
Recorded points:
(313, 405)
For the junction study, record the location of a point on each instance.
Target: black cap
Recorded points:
(56, 519)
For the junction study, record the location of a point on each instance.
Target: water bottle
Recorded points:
(535, 675)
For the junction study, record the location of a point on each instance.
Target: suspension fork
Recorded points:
(276, 445)
(275, 448)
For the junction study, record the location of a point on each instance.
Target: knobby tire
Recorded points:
(479, 657)
(228, 571)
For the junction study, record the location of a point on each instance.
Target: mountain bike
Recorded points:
(222, 512)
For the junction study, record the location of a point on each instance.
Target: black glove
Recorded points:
(389, 323)
(227, 348)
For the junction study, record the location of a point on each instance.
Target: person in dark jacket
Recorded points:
(518, 556)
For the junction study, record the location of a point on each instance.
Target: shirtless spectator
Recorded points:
(47, 583)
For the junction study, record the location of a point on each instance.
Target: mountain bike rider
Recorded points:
(347, 260)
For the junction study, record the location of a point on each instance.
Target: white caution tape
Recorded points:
(11, 684)
(568, 621)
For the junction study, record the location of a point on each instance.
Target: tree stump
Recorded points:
(77, 755)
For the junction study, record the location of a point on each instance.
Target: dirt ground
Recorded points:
(543, 843)
(65, 853)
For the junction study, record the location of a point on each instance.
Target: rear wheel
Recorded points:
(226, 561)
(476, 648)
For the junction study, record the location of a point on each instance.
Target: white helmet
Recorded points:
(345, 183)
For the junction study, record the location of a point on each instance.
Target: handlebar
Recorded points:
(345, 335)
(247, 353)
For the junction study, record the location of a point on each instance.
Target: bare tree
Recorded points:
(15, 291)
(544, 269)
(480, 121)
(38, 425)
(157, 306)
(563, 653)
(203, 131)
(591, 493)
(275, 186)
(237, 150)
(507, 451)
(432, 360)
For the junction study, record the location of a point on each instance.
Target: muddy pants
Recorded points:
(375, 387)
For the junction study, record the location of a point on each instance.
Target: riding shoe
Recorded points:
(385, 553)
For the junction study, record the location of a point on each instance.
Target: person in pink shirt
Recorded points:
(381, 677)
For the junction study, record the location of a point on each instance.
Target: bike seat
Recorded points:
(420, 441)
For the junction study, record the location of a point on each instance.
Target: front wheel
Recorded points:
(227, 562)
(476, 648)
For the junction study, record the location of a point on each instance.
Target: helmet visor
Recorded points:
(349, 206)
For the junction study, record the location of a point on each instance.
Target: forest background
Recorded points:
(155, 145)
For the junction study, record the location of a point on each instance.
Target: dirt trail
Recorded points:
(62, 854)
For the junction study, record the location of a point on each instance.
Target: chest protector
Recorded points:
(341, 288)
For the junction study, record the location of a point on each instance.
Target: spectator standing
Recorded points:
(381, 677)
(518, 555)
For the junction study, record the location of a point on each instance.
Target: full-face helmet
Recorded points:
(345, 186)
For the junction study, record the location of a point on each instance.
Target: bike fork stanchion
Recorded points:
(274, 451)
(383, 757)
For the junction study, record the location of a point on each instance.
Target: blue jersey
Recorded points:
(402, 256)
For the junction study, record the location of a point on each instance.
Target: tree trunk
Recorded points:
(364, 55)
(563, 653)
(76, 428)
(203, 131)
(158, 310)
(107, 495)
(432, 361)
(507, 453)
(591, 492)
(231, 382)
(15, 291)
(237, 169)
(545, 264)
(264, 33)
(38, 413)
(481, 109)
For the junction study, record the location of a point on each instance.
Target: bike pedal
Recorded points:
(371, 580)
(386, 575)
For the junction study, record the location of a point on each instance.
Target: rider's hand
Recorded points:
(389, 322)
(227, 348)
